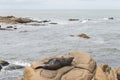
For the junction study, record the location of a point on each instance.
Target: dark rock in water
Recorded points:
(110, 18)
(72, 35)
(73, 19)
(2, 28)
(53, 23)
(9, 26)
(3, 63)
(56, 63)
(14, 67)
(23, 20)
(14, 28)
(0, 67)
(44, 21)
(23, 31)
(84, 36)
(37, 24)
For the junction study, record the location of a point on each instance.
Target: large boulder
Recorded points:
(83, 68)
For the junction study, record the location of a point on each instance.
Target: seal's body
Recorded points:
(56, 63)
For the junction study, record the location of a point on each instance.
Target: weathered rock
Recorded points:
(4, 63)
(83, 36)
(14, 67)
(73, 19)
(12, 19)
(23, 20)
(83, 68)
(118, 73)
(105, 72)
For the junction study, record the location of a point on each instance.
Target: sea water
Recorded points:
(29, 43)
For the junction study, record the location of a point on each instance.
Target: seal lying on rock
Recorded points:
(56, 63)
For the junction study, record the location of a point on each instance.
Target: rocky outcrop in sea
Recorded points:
(83, 67)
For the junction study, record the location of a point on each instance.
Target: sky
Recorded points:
(59, 4)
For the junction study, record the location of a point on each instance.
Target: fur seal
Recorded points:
(56, 63)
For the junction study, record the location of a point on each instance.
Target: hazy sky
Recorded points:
(59, 4)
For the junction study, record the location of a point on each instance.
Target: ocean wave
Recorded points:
(22, 63)
(84, 21)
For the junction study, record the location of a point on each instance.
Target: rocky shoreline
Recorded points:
(83, 67)
(9, 66)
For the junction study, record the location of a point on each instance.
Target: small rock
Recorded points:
(44, 21)
(53, 23)
(4, 63)
(13, 67)
(0, 67)
(73, 19)
(84, 36)
(72, 35)
(9, 26)
(14, 28)
(110, 18)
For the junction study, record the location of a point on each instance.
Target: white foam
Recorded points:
(22, 63)
(84, 21)
(105, 19)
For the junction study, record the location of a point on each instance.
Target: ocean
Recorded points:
(29, 43)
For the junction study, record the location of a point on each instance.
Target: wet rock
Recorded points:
(73, 19)
(44, 21)
(53, 23)
(13, 67)
(72, 35)
(0, 67)
(84, 36)
(37, 24)
(3, 29)
(15, 28)
(23, 20)
(110, 18)
(4, 63)
(9, 27)
(24, 31)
